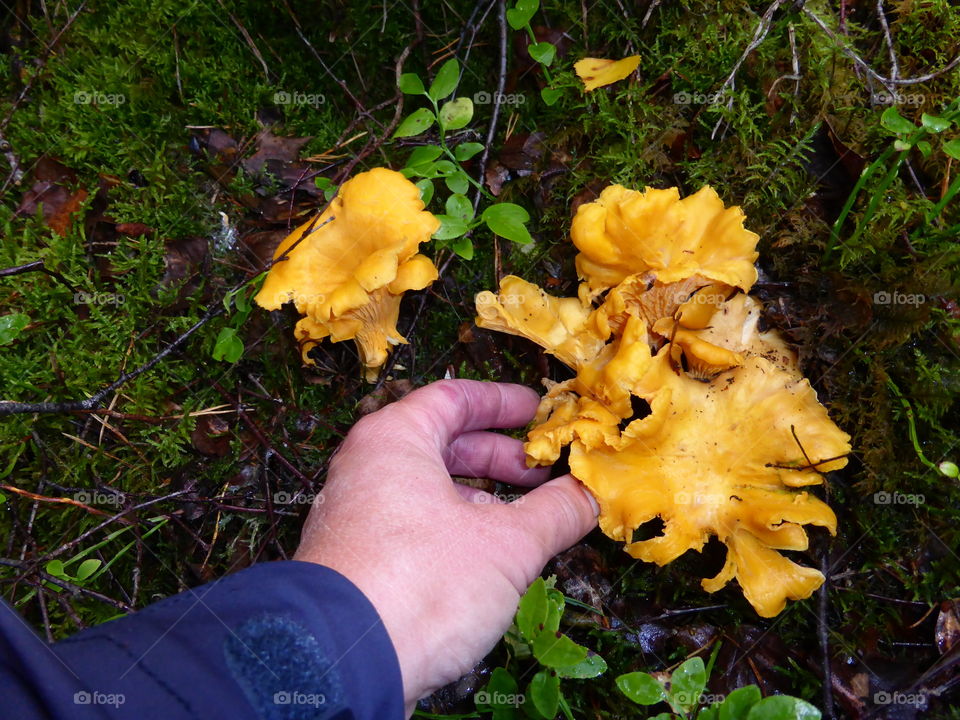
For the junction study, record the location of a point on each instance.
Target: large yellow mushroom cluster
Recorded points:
(347, 269)
(732, 431)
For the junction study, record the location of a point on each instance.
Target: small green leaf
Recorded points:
(415, 123)
(500, 691)
(444, 168)
(590, 667)
(709, 713)
(550, 95)
(642, 688)
(556, 650)
(543, 52)
(893, 121)
(924, 147)
(3, 498)
(783, 707)
(243, 299)
(738, 703)
(456, 113)
(228, 346)
(11, 326)
(519, 16)
(457, 183)
(687, 683)
(56, 568)
(88, 568)
(411, 84)
(463, 247)
(515, 19)
(465, 151)
(947, 468)
(934, 123)
(508, 220)
(459, 206)
(900, 145)
(532, 611)
(228, 299)
(545, 693)
(445, 81)
(450, 227)
(952, 148)
(551, 623)
(423, 156)
(426, 190)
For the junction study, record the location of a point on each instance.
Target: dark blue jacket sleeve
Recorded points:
(277, 641)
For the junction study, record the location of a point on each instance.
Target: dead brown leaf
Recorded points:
(54, 193)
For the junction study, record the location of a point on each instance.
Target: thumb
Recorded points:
(556, 515)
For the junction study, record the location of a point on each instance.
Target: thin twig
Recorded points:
(894, 66)
(249, 40)
(66, 585)
(13, 408)
(316, 55)
(36, 266)
(763, 27)
(501, 85)
(654, 4)
(255, 429)
(60, 501)
(16, 174)
(866, 66)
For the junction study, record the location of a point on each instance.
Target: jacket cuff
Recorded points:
(277, 641)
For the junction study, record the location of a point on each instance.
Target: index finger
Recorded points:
(447, 408)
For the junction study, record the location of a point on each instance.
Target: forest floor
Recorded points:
(153, 153)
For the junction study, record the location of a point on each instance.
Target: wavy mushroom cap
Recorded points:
(625, 232)
(722, 459)
(346, 269)
(558, 325)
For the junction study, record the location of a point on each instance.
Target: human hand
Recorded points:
(443, 564)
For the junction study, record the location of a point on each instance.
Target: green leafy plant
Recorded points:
(683, 692)
(536, 634)
(907, 137)
(946, 468)
(228, 345)
(545, 53)
(431, 162)
(90, 569)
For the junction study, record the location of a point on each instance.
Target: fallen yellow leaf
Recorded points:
(597, 72)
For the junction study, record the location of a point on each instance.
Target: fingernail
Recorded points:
(592, 500)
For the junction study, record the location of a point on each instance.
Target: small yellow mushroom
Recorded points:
(346, 270)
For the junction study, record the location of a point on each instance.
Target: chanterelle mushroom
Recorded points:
(347, 269)
(733, 429)
(626, 232)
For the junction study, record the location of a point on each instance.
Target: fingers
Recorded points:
(554, 517)
(494, 456)
(476, 495)
(448, 408)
